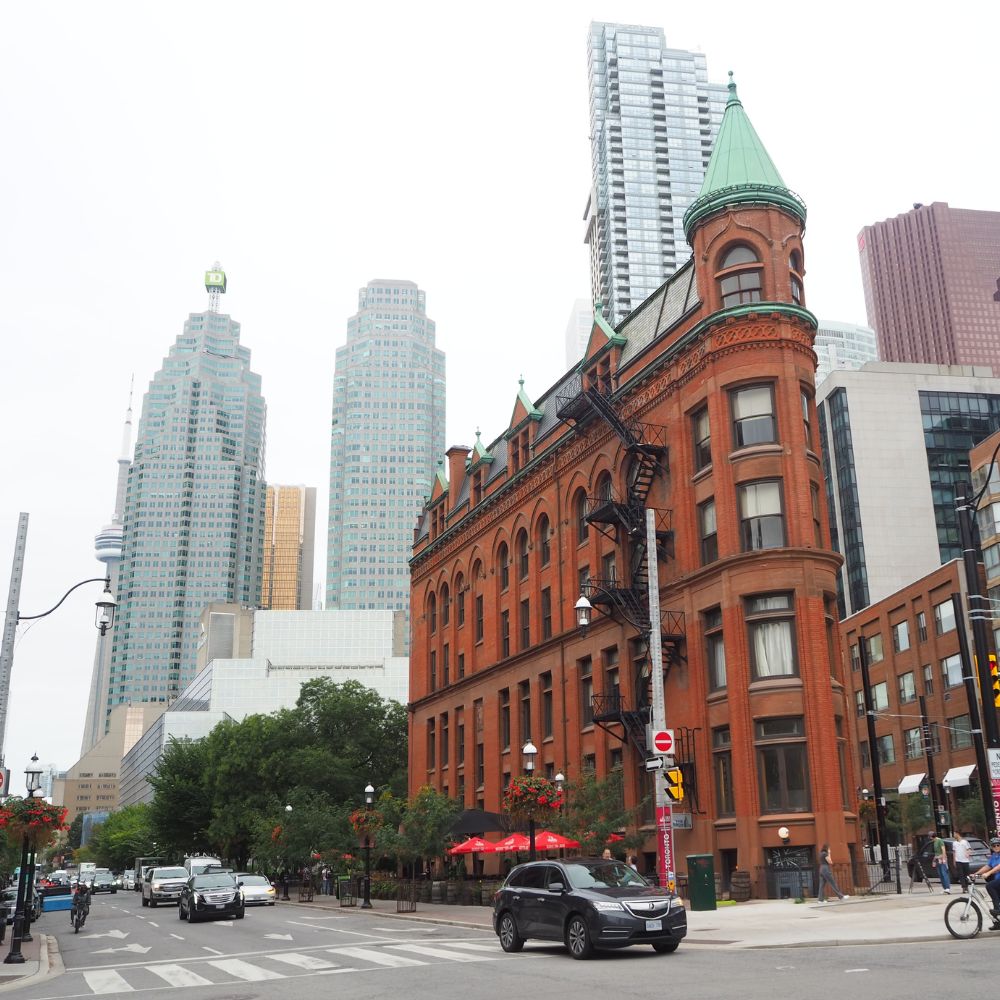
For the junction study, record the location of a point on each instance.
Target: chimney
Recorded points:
(457, 455)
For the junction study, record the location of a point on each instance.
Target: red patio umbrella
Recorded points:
(515, 842)
(546, 840)
(474, 845)
(614, 838)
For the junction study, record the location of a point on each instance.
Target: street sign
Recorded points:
(654, 763)
(663, 742)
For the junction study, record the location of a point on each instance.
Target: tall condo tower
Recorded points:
(387, 431)
(932, 285)
(108, 550)
(194, 505)
(289, 541)
(653, 120)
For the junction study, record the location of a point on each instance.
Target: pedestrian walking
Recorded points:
(961, 852)
(941, 862)
(826, 876)
(326, 881)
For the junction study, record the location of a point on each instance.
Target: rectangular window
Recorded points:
(612, 689)
(715, 649)
(460, 608)
(722, 761)
(546, 613)
(585, 670)
(460, 740)
(524, 693)
(434, 670)
(804, 398)
(921, 626)
(431, 744)
(525, 624)
(907, 688)
(912, 743)
(608, 571)
(880, 696)
(753, 416)
(816, 515)
(479, 618)
(480, 766)
(762, 525)
(444, 739)
(505, 633)
(928, 670)
(855, 657)
(876, 654)
(934, 738)
(960, 732)
(445, 665)
(460, 665)
(901, 636)
(944, 617)
(547, 720)
(859, 703)
(951, 671)
(866, 758)
(771, 625)
(505, 719)
(702, 439)
(782, 766)
(709, 532)
(886, 749)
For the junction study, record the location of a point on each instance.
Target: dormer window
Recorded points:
(795, 276)
(739, 277)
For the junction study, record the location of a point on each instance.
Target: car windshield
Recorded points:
(602, 875)
(169, 873)
(103, 879)
(254, 880)
(220, 881)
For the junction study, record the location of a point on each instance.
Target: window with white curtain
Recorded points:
(762, 525)
(753, 416)
(771, 623)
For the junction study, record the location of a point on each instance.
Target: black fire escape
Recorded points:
(623, 518)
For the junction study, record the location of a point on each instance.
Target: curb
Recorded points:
(46, 941)
(418, 918)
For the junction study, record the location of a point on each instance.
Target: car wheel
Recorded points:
(145, 902)
(240, 914)
(665, 947)
(153, 902)
(192, 919)
(271, 903)
(114, 892)
(510, 939)
(578, 938)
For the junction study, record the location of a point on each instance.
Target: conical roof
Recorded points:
(740, 171)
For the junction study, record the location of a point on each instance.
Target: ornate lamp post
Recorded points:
(366, 903)
(529, 751)
(33, 782)
(284, 878)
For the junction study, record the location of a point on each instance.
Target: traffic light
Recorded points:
(995, 676)
(674, 781)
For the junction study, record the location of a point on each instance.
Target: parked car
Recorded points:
(9, 900)
(128, 879)
(213, 894)
(586, 903)
(980, 855)
(163, 885)
(257, 889)
(103, 882)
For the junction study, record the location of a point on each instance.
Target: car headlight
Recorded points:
(199, 898)
(607, 904)
(156, 885)
(270, 891)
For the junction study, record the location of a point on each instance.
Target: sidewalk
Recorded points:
(36, 959)
(765, 923)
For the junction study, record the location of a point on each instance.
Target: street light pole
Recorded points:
(33, 775)
(866, 688)
(529, 751)
(366, 903)
(284, 878)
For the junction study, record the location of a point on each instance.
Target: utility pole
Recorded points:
(10, 626)
(866, 688)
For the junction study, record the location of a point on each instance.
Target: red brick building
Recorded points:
(700, 406)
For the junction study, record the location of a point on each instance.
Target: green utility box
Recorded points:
(701, 881)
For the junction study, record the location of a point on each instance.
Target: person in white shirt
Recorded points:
(962, 853)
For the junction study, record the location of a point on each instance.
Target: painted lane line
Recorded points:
(244, 970)
(153, 924)
(177, 936)
(856, 970)
(307, 962)
(177, 975)
(451, 956)
(406, 930)
(376, 957)
(107, 981)
(475, 946)
(214, 951)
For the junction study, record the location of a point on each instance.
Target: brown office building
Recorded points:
(289, 540)
(932, 285)
(700, 405)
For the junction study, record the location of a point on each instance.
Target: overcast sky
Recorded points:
(311, 147)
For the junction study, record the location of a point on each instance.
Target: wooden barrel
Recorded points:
(739, 886)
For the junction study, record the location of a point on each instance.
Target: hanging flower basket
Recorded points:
(366, 823)
(32, 818)
(531, 797)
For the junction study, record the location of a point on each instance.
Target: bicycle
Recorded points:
(77, 917)
(964, 916)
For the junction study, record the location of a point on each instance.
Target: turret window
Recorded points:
(739, 277)
(795, 276)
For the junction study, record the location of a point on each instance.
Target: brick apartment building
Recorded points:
(701, 406)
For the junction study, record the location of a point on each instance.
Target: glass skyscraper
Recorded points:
(194, 505)
(387, 434)
(653, 120)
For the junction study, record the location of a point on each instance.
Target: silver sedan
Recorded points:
(257, 890)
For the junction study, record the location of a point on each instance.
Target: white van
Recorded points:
(197, 864)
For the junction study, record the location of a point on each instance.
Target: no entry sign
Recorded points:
(663, 742)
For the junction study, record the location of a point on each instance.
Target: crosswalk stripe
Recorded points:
(376, 957)
(451, 956)
(177, 975)
(303, 961)
(474, 946)
(107, 981)
(244, 970)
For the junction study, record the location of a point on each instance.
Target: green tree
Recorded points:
(75, 831)
(122, 837)
(181, 809)
(426, 820)
(593, 810)
(971, 816)
(915, 814)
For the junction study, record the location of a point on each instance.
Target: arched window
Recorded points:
(459, 600)
(503, 561)
(604, 491)
(432, 613)
(739, 277)
(445, 605)
(580, 513)
(795, 276)
(522, 555)
(544, 548)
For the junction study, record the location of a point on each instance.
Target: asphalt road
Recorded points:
(289, 951)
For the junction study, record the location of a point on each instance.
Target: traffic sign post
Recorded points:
(661, 741)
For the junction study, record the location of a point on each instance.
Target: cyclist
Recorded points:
(990, 871)
(81, 903)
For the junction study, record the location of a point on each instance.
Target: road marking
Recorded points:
(153, 924)
(303, 961)
(214, 951)
(856, 970)
(120, 935)
(223, 923)
(474, 946)
(244, 970)
(407, 930)
(377, 957)
(107, 981)
(177, 936)
(177, 975)
(280, 937)
(451, 956)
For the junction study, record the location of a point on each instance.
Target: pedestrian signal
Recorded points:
(674, 784)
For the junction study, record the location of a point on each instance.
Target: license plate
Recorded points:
(654, 925)
(217, 906)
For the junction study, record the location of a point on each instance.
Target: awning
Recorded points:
(911, 783)
(958, 776)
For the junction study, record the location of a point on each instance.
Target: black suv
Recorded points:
(979, 855)
(216, 894)
(586, 903)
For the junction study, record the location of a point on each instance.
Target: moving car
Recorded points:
(103, 882)
(163, 885)
(257, 889)
(587, 903)
(979, 855)
(214, 894)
